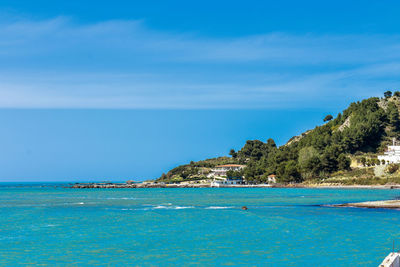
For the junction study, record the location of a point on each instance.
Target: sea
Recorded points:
(49, 225)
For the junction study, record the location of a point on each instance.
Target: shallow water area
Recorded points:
(282, 227)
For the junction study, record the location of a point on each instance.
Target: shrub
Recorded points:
(392, 168)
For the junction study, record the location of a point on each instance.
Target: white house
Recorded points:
(271, 179)
(221, 170)
(392, 155)
(219, 175)
(222, 181)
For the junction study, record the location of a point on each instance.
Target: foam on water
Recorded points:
(172, 207)
(121, 198)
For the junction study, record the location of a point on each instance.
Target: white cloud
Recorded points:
(59, 63)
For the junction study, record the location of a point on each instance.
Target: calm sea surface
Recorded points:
(282, 227)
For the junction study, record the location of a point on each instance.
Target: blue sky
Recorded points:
(177, 79)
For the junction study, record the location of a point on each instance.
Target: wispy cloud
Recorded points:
(59, 63)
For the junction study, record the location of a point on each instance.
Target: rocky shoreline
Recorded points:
(156, 185)
(207, 185)
(382, 204)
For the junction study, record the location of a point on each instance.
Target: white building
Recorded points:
(221, 170)
(222, 181)
(271, 179)
(219, 175)
(392, 155)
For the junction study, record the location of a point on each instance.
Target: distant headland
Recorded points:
(357, 147)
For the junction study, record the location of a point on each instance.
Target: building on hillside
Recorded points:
(392, 154)
(218, 173)
(271, 179)
(221, 170)
(222, 181)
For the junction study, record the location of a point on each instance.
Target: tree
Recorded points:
(311, 167)
(184, 175)
(329, 159)
(252, 149)
(271, 143)
(368, 162)
(291, 172)
(280, 170)
(234, 174)
(396, 93)
(360, 130)
(305, 154)
(328, 118)
(256, 150)
(343, 162)
(392, 168)
(393, 115)
(387, 94)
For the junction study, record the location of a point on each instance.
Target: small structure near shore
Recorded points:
(392, 154)
(271, 179)
(222, 181)
(220, 175)
(221, 170)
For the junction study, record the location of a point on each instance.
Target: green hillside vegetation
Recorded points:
(358, 133)
(195, 170)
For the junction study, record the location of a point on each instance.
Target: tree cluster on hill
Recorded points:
(325, 149)
(195, 170)
(364, 127)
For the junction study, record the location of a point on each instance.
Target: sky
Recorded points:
(117, 90)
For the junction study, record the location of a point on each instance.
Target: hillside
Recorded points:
(344, 146)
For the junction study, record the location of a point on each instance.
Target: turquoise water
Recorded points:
(167, 227)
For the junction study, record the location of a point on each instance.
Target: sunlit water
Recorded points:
(206, 226)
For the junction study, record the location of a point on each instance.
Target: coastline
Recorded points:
(381, 204)
(157, 185)
(154, 185)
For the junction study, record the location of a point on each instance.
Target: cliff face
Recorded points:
(363, 129)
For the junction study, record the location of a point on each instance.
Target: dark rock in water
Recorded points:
(244, 208)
